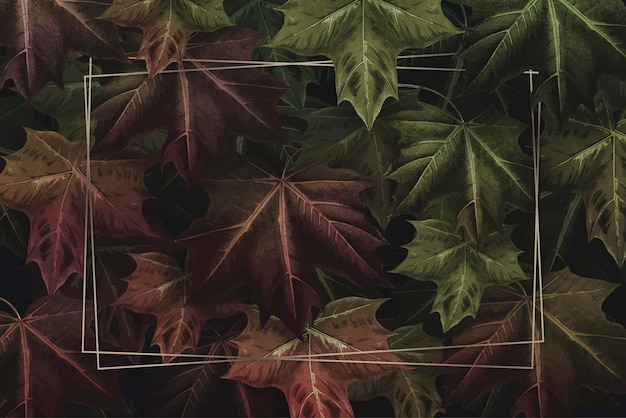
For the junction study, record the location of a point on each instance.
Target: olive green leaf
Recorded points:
(413, 392)
(363, 38)
(262, 16)
(461, 269)
(588, 156)
(153, 142)
(338, 135)
(570, 43)
(67, 105)
(477, 163)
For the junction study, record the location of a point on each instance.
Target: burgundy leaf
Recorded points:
(42, 364)
(38, 34)
(271, 231)
(198, 108)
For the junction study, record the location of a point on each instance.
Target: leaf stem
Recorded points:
(10, 305)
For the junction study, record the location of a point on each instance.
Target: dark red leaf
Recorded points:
(42, 366)
(272, 230)
(198, 108)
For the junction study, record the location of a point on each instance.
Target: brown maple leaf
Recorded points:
(272, 231)
(39, 34)
(198, 108)
(42, 364)
(313, 388)
(167, 25)
(576, 332)
(159, 287)
(47, 180)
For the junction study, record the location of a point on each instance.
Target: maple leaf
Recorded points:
(576, 332)
(373, 33)
(40, 354)
(588, 155)
(186, 392)
(482, 153)
(67, 105)
(190, 389)
(313, 388)
(62, 26)
(261, 15)
(271, 231)
(338, 135)
(552, 36)
(47, 179)
(198, 108)
(412, 392)
(167, 25)
(159, 287)
(461, 269)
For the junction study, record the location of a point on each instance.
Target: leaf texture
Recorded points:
(261, 15)
(461, 269)
(315, 388)
(272, 231)
(338, 136)
(582, 347)
(412, 392)
(482, 155)
(373, 33)
(38, 35)
(588, 155)
(570, 42)
(159, 287)
(47, 180)
(38, 350)
(198, 107)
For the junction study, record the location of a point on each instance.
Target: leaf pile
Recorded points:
(312, 208)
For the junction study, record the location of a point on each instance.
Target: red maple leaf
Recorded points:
(316, 388)
(39, 34)
(271, 231)
(159, 287)
(42, 364)
(198, 108)
(47, 180)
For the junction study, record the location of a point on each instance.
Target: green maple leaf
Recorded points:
(588, 156)
(363, 38)
(167, 25)
(461, 270)
(338, 135)
(67, 105)
(481, 155)
(262, 16)
(413, 392)
(570, 43)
